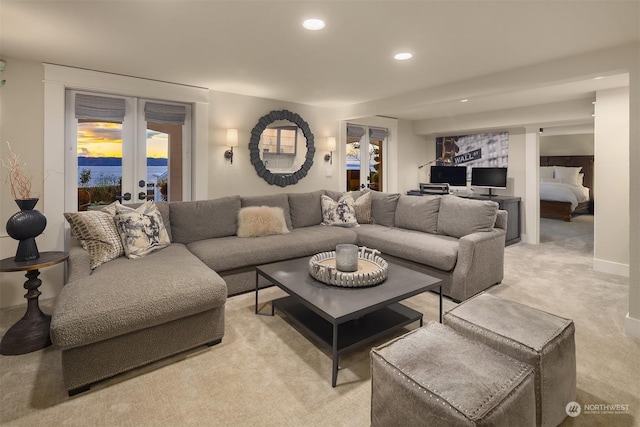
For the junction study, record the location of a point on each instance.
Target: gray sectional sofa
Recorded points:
(130, 312)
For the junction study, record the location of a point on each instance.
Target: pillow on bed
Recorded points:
(568, 174)
(546, 172)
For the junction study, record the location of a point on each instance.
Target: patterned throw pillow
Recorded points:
(141, 230)
(340, 213)
(97, 234)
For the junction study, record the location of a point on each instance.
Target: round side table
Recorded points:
(30, 333)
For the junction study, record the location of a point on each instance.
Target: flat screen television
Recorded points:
(452, 175)
(489, 178)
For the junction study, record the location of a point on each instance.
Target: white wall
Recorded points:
(21, 123)
(611, 227)
(567, 145)
(414, 151)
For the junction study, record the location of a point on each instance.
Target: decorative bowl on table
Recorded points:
(372, 269)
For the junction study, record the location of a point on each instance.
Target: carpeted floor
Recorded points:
(264, 373)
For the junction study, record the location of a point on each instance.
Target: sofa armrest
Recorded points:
(501, 219)
(480, 263)
(79, 262)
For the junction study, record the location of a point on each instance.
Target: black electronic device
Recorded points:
(434, 188)
(489, 178)
(453, 175)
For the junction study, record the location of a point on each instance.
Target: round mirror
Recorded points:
(281, 148)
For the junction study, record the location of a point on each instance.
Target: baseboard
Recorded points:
(632, 327)
(611, 267)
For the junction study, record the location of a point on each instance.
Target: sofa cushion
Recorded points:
(383, 208)
(96, 231)
(418, 213)
(305, 209)
(459, 217)
(255, 221)
(126, 295)
(204, 219)
(274, 200)
(340, 213)
(228, 253)
(141, 230)
(434, 250)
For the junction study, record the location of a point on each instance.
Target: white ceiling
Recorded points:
(259, 48)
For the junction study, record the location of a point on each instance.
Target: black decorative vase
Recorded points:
(25, 226)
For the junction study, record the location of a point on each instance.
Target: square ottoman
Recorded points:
(434, 376)
(540, 339)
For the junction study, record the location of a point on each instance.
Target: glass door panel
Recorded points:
(163, 162)
(99, 151)
(353, 164)
(375, 164)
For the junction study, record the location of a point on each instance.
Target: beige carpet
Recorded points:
(264, 373)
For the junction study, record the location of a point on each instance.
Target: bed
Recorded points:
(566, 186)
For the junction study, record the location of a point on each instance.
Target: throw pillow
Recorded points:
(256, 221)
(340, 213)
(362, 206)
(459, 217)
(97, 234)
(141, 230)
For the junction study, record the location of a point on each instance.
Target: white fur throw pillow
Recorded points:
(255, 221)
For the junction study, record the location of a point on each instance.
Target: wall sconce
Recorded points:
(331, 147)
(232, 141)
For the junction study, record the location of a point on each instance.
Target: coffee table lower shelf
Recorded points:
(342, 337)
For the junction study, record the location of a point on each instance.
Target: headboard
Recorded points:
(585, 161)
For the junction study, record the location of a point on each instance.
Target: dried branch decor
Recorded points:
(19, 182)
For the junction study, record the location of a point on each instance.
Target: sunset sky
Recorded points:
(99, 139)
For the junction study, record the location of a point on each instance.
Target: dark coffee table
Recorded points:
(343, 318)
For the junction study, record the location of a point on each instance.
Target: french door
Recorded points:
(364, 155)
(127, 149)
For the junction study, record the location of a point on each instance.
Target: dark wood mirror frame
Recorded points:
(273, 178)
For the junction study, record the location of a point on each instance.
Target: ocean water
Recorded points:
(100, 174)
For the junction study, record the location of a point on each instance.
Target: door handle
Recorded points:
(127, 196)
(361, 185)
(142, 195)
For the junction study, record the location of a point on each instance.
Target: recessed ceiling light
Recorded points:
(313, 24)
(402, 56)
(598, 78)
(464, 100)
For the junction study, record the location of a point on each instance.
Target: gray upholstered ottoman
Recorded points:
(535, 337)
(434, 376)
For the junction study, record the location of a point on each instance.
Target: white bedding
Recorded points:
(560, 192)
